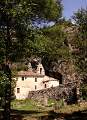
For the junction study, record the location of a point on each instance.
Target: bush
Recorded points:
(84, 91)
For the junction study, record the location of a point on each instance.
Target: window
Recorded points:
(22, 78)
(18, 90)
(35, 87)
(35, 79)
(45, 86)
(25, 77)
(40, 70)
(60, 81)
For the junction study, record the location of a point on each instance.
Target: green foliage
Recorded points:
(81, 40)
(17, 39)
(84, 91)
(2, 47)
(3, 83)
(47, 9)
(16, 24)
(56, 46)
(22, 67)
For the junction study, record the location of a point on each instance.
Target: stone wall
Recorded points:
(60, 92)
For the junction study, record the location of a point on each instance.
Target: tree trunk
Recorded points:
(7, 110)
(7, 71)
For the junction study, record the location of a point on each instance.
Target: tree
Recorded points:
(16, 34)
(10, 43)
(50, 46)
(56, 46)
(81, 40)
(50, 10)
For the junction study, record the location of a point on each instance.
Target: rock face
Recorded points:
(65, 72)
(69, 83)
(66, 68)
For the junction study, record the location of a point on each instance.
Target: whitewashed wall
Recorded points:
(29, 84)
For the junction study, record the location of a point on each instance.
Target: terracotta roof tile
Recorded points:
(29, 73)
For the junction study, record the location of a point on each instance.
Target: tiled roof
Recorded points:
(29, 73)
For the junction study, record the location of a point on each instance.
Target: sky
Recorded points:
(71, 6)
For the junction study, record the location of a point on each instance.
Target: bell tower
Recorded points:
(40, 69)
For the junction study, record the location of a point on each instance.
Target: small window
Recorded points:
(22, 78)
(35, 79)
(40, 70)
(25, 77)
(18, 90)
(35, 87)
(45, 86)
(60, 81)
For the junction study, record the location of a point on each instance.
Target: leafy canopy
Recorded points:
(81, 39)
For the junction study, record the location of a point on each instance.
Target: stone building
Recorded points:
(33, 80)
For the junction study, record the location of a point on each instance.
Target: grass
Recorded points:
(24, 105)
(29, 109)
(73, 108)
(29, 105)
(59, 106)
(32, 110)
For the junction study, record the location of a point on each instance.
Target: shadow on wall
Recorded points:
(55, 75)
